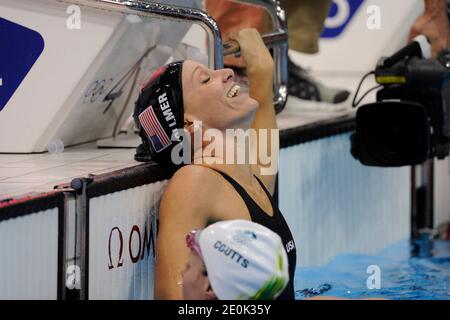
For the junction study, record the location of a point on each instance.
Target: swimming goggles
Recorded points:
(192, 242)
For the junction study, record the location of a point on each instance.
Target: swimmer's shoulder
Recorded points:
(196, 177)
(194, 186)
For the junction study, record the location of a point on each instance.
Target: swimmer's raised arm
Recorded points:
(260, 67)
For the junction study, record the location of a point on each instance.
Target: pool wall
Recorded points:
(335, 205)
(441, 192)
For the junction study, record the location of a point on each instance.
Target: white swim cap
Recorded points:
(244, 260)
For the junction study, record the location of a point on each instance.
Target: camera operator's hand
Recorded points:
(434, 25)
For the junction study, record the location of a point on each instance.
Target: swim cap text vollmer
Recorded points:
(159, 112)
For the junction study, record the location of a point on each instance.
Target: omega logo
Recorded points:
(146, 243)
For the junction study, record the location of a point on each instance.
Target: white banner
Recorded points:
(122, 239)
(78, 69)
(29, 256)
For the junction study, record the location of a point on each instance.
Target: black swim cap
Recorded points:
(159, 113)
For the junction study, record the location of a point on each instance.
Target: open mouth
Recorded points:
(234, 91)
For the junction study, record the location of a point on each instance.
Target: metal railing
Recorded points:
(277, 40)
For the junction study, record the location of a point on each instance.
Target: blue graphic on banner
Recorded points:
(341, 13)
(20, 48)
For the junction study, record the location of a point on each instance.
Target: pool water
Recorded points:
(408, 270)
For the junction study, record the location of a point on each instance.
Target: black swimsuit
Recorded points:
(276, 223)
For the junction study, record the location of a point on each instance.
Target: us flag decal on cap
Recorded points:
(154, 130)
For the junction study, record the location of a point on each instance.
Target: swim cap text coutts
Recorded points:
(229, 252)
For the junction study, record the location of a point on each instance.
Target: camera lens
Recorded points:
(392, 134)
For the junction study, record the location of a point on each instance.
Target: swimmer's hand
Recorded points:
(254, 52)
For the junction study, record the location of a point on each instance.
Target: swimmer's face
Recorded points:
(195, 280)
(212, 97)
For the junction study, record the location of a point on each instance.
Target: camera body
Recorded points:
(410, 122)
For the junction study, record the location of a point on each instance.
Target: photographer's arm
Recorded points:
(434, 25)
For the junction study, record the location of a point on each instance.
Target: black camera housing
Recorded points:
(410, 122)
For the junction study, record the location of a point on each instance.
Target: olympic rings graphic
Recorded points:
(96, 90)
